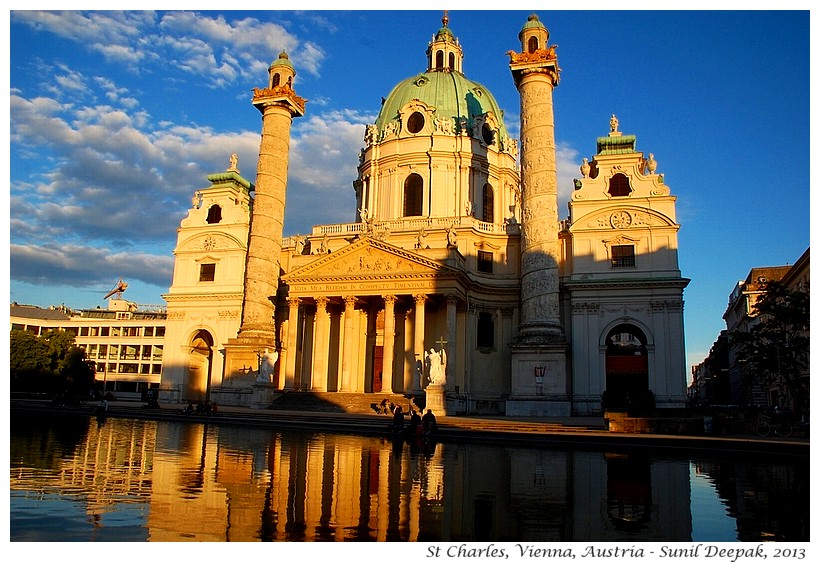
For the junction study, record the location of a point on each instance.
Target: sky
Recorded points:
(116, 119)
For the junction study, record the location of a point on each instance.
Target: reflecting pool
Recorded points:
(74, 479)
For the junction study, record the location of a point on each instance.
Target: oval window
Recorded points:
(487, 133)
(415, 122)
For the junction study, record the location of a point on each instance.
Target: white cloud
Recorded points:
(219, 51)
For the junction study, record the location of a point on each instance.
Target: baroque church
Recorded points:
(458, 282)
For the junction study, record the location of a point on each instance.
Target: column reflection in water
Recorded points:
(224, 483)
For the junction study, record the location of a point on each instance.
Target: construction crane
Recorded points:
(118, 290)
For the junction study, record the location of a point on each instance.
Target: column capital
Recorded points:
(321, 302)
(390, 299)
(420, 299)
(293, 301)
(350, 301)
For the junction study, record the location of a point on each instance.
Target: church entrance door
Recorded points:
(627, 367)
(378, 365)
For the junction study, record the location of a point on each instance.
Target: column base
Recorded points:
(242, 357)
(540, 384)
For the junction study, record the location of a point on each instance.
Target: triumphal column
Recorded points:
(278, 104)
(539, 365)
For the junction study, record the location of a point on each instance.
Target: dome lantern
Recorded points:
(444, 54)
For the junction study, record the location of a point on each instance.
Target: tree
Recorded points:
(49, 363)
(29, 362)
(777, 347)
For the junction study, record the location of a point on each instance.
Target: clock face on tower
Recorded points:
(620, 219)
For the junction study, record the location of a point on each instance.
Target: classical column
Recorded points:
(278, 104)
(540, 344)
(450, 371)
(389, 341)
(414, 384)
(346, 384)
(293, 334)
(322, 346)
(536, 73)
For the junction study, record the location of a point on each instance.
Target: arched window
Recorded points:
(487, 206)
(485, 336)
(439, 60)
(214, 215)
(275, 81)
(532, 44)
(452, 61)
(413, 186)
(619, 186)
(415, 122)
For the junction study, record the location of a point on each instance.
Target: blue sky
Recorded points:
(117, 118)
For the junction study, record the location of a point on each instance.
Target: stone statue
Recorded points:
(196, 200)
(300, 245)
(367, 222)
(452, 237)
(651, 164)
(469, 208)
(436, 366)
(370, 132)
(420, 239)
(444, 125)
(585, 168)
(613, 124)
(234, 161)
(267, 361)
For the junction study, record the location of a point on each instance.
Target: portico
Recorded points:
(359, 320)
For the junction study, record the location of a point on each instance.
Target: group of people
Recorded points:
(418, 425)
(208, 408)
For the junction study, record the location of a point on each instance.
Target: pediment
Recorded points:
(210, 241)
(621, 218)
(369, 259)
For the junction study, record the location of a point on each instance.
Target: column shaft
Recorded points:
(539, 202)
(450, 371)
(292, 336)
(265, 238)
(414, 382)
(346, 384)
(321, 349)
(389, 341)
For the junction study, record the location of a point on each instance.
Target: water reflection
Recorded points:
(191, 482)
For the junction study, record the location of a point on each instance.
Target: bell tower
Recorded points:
(278, 104)
(539, 353)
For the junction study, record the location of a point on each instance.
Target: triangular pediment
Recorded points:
(368, 258)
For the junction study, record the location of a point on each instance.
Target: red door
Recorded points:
(378, 358)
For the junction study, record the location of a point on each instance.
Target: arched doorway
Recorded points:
(627, 367)
(200, 360)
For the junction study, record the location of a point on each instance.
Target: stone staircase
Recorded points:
(344, 402)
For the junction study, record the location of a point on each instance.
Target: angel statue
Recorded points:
(436, 366)
(267, 361)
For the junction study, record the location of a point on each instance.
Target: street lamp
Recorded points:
(539, 371)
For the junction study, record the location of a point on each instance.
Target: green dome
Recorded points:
(283, 60)
(532, 23)
(451, 93)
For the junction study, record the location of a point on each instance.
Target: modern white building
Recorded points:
(125, 343)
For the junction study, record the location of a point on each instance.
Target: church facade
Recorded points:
(458, 280)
